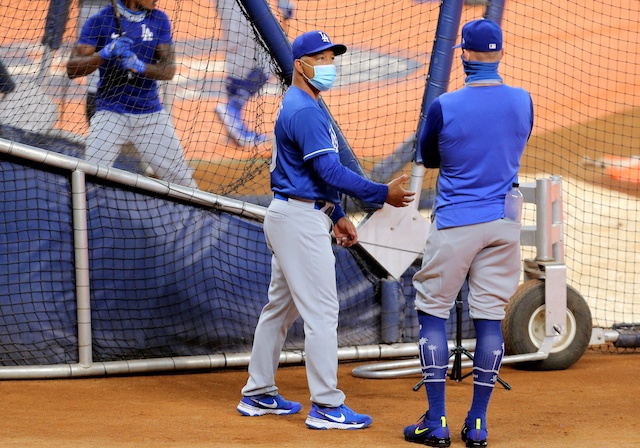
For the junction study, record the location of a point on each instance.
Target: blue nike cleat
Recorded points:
(340, 417)
(267, 404)
(429, 433)
(474, 435)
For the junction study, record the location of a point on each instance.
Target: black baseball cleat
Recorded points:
(429, 433)
(474, 436)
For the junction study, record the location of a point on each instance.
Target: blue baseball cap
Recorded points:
(481, 35)
(314, 42)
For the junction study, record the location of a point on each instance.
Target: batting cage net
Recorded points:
(169, 277)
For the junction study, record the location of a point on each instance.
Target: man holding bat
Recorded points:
(130, 43)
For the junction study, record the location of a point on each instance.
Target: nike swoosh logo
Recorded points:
(271, 405)
(419, 431)
(340, 419)
(114, 35)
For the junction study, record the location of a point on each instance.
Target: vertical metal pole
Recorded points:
(556, 273)
(81, 246)
(543, 221)
(437, 79)
(557, 220)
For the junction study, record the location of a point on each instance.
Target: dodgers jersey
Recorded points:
(302, 131)
(476, 136)
(117, 91)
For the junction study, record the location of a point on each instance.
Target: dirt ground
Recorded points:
(593, 403)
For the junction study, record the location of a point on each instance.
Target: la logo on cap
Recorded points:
(324, 37)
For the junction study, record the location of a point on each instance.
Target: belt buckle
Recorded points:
(325, 207)
(329, 210)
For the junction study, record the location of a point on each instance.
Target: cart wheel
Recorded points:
(524, 327)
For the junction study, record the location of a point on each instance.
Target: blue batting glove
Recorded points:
(116, 48)
(131, 62)
(287, 7)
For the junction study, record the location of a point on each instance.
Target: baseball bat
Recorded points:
(116, 14)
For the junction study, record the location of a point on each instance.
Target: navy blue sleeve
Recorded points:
(328, 167)
(429, 137)
(338, 213)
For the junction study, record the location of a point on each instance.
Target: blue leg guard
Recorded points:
(486, 365)
(434, 359)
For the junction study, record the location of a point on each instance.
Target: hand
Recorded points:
(116, 48)
(345, 232)
(287, 7)
(131, 62)
(398, 196)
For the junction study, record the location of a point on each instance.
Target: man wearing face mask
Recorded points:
(476, 137)
(307, 179)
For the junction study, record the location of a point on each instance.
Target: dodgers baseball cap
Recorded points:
(314, 42)
(481, 35)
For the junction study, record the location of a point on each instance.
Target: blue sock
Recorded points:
(486, 365)
(434, 359)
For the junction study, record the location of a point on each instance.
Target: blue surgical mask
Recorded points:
(323, 76)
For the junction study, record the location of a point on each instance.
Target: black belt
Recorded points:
(325, 207)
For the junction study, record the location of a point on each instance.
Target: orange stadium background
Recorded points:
(390, 110)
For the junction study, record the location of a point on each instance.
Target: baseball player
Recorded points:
(476, 136)
(306, 178)
(244, 76)
(130, 61)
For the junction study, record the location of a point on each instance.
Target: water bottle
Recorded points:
(513, 204)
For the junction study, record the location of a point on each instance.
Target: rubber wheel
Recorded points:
(524, 327)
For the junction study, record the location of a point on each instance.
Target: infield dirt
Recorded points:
(594, 403)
